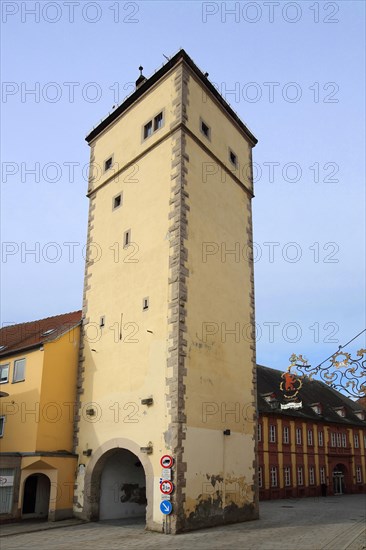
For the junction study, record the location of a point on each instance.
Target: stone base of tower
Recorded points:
(209, 514)
(215, 480)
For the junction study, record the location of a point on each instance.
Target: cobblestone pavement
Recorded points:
(336, 523)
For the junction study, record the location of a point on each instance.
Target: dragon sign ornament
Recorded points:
(342, 373)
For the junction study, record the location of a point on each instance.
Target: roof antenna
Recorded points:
(166, 57)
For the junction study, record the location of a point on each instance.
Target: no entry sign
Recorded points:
(166, 487)
(166, 461)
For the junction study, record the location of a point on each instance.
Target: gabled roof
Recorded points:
(311, 392)
(149, 82)
(24, 336)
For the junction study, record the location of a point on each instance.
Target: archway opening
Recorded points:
(36, 497)
(339, 474)
(122, 491)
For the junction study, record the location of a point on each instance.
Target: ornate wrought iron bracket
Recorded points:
(343, 373)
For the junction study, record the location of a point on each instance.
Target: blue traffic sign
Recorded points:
(166, 507)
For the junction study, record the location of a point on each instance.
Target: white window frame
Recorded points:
(300, 475)
(322, 474)
(310, 437)
(260, 477)
(339, 440)
(286, 434)
(15, 370)
(272, 433)
(274, 477)
(287, 472)
(356, 441)
(333, 439)
(3, 367)
(358, 474)
(311, 475)
(344, 440)
(298, 436)
(321, 439)
(259, 431)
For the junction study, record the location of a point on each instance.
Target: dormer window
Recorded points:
(341, 411)
(317, 408)
(360, 414)
(271, 399)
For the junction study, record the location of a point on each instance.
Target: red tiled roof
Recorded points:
(28, 335)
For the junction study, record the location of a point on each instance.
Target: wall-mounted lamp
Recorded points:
(148, 401)
(227, 432)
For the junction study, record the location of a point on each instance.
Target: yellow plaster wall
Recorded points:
(58, 392)
(219, 367)
(22, 408)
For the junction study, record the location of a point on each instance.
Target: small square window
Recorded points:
(148, 129)
(158, 122)
(102, 321)
(108, 164)
(4, 374)
(19, 370)
(206, 130)
(2, 425)
(117, 201)
(127, 238)
(145, 304)
(233, 158)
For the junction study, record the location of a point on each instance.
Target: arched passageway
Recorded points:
(119, 483)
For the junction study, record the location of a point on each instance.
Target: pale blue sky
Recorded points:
(323, 133)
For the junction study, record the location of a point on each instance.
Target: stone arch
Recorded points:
(93, 473)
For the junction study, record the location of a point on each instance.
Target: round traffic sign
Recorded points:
(166, 461)
(166, 507)
(166, 487)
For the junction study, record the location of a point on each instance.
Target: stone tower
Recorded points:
(167, 361)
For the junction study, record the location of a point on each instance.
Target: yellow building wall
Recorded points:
(58, 393)
(22, 408)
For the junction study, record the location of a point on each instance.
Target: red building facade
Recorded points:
(318, 448)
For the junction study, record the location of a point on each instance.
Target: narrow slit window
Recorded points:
(148, 129)
(117, 201)
(108, 164)
(127, 238)
(206, 131)
(158, 122)
(233, 158)
(145, 304)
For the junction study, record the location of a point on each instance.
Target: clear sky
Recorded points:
(293, 71)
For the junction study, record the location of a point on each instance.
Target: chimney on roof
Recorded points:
(141, 79)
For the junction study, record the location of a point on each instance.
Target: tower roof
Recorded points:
(149, 82)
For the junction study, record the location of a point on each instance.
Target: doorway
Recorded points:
(338, 480)
(36, 497)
